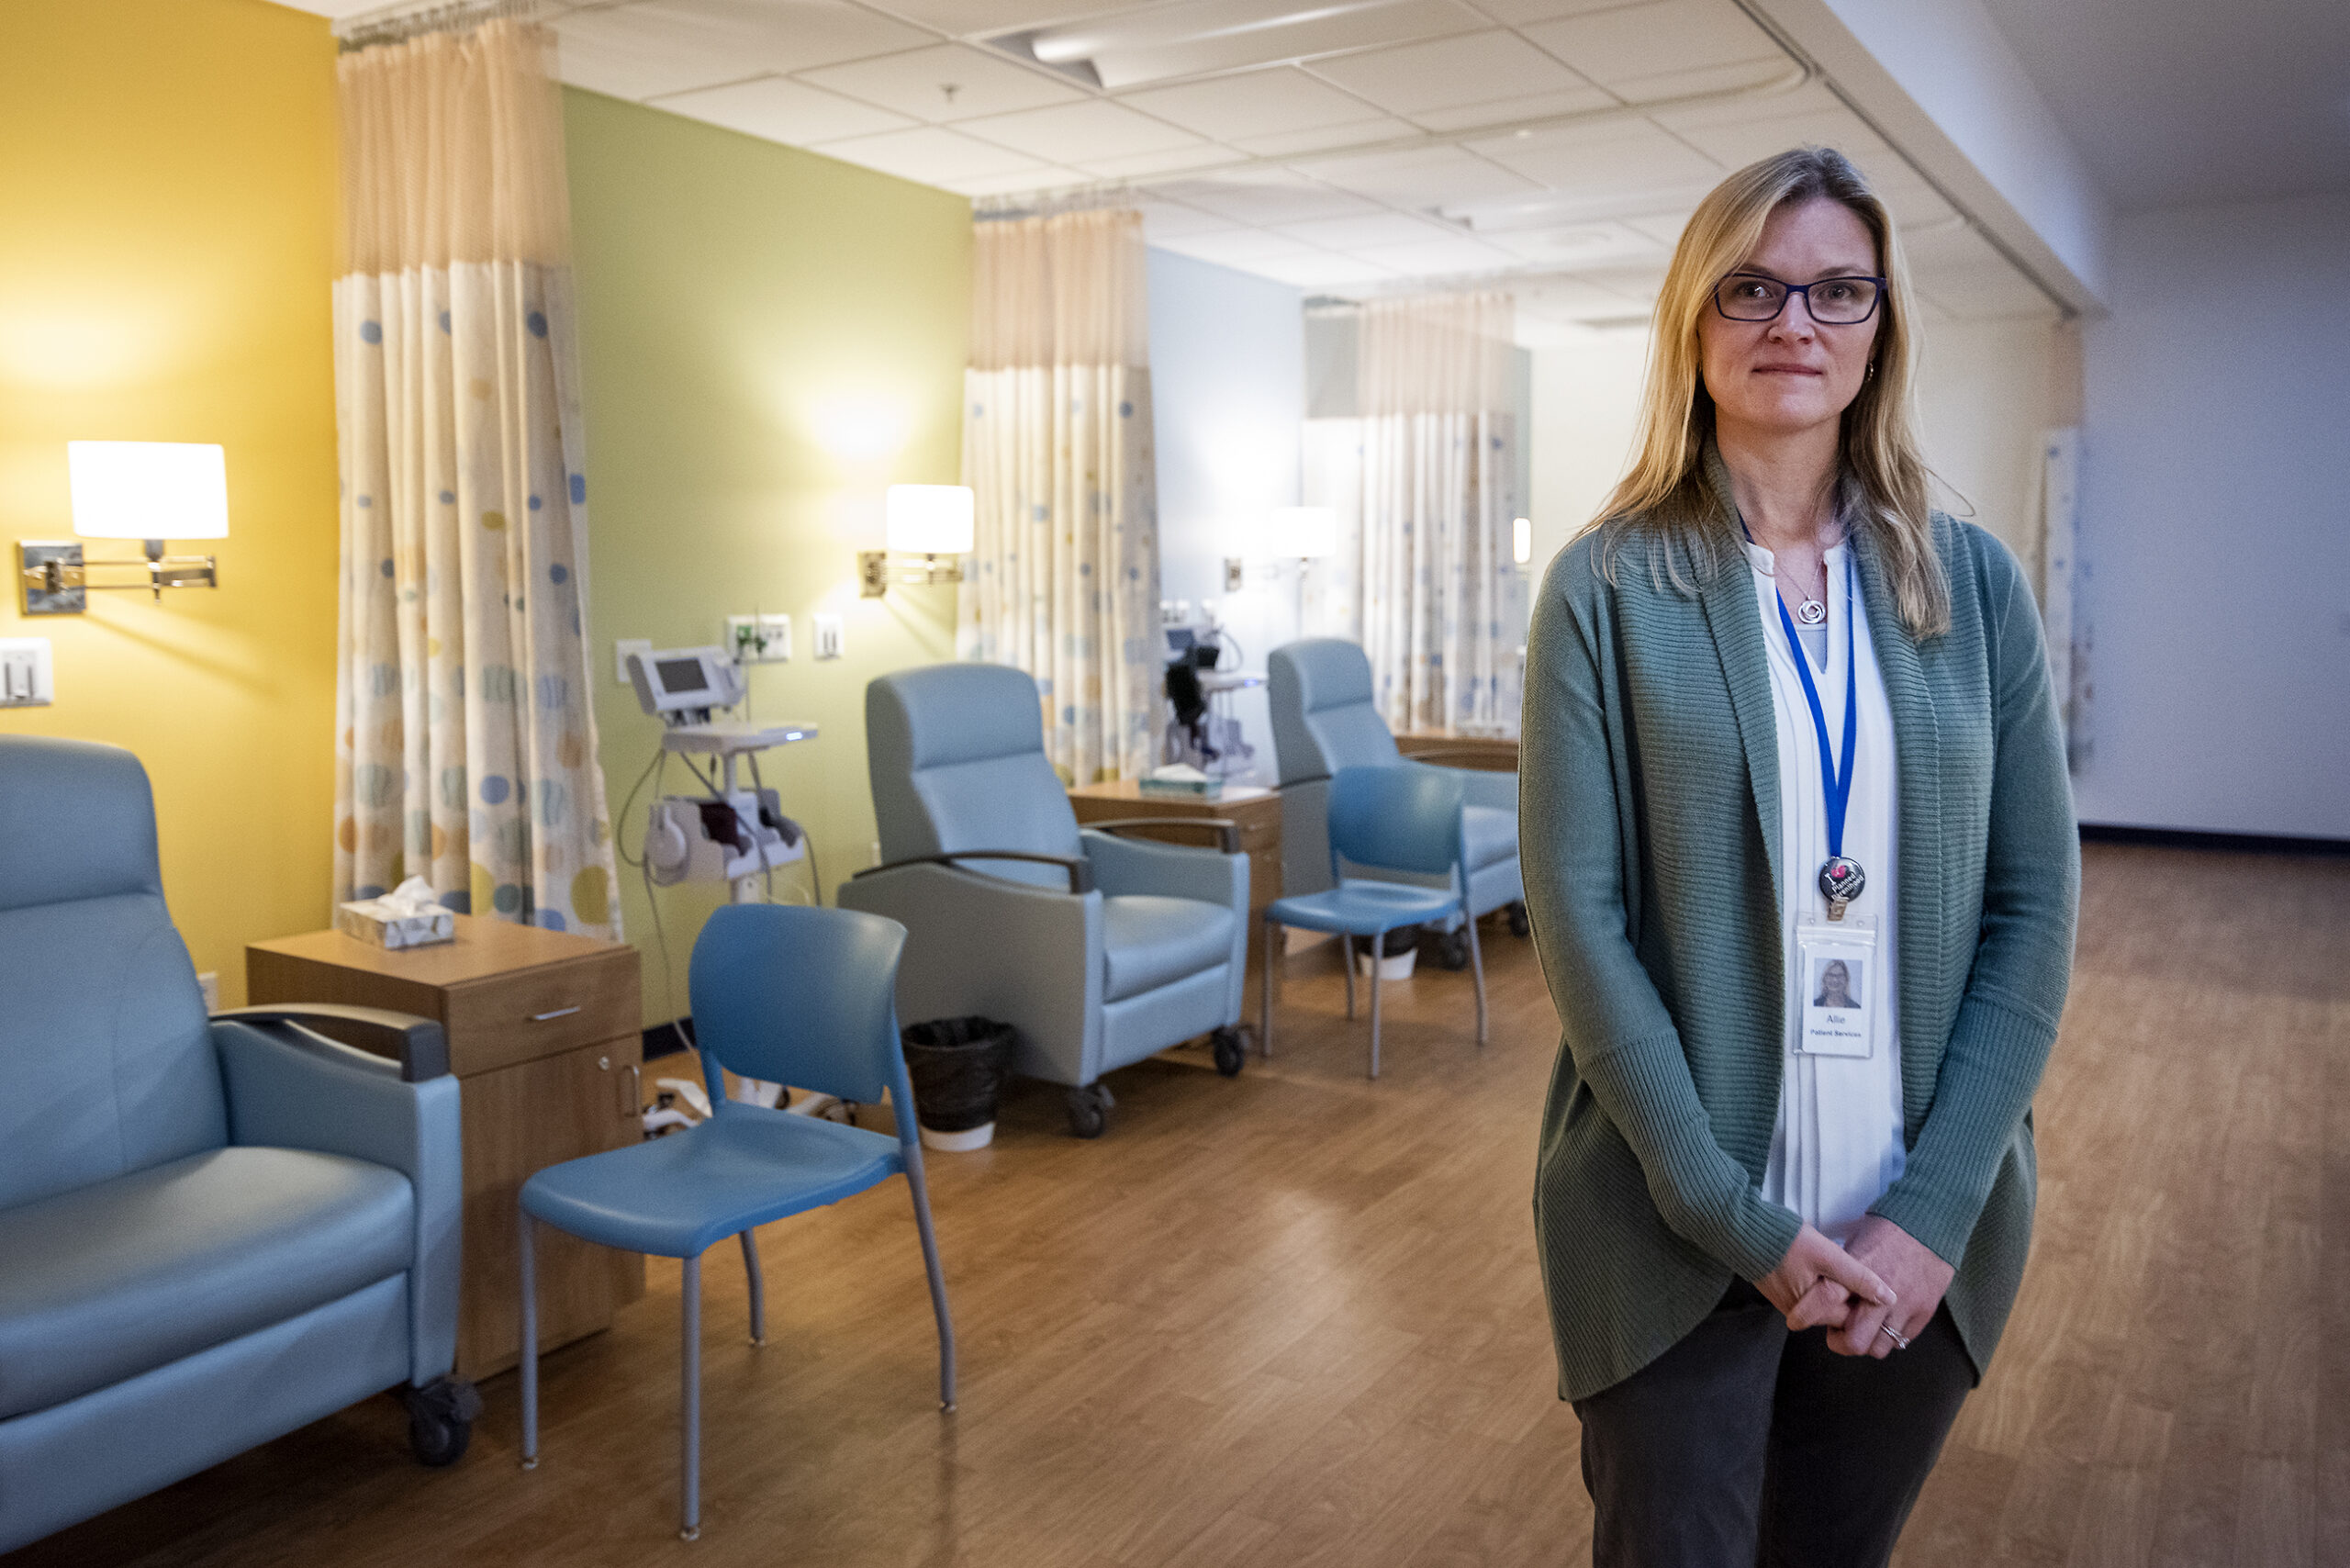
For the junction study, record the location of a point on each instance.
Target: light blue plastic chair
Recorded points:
(787, 994)
(1400, 819)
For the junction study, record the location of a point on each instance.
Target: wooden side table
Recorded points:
(544, 1039)
(1486, 754)
(1256, 810)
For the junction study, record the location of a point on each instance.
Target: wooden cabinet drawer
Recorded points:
(528, 1013)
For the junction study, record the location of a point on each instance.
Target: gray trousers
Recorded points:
(1747, 1444)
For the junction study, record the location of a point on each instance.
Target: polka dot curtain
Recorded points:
(465, 751)
(1423, 478)
(1056, 449)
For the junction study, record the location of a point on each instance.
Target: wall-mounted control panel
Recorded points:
(759, 639)
(25, 680)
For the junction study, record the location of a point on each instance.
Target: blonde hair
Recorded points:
(1665, 503)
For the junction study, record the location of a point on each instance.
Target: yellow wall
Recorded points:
(769, 339)
(167, 189)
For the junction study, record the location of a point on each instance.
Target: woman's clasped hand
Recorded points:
(1885, 1278)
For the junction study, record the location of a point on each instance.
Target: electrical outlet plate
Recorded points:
(828, 637)
(25, 673)
(759, 639)
(1234, 570)
(621, 649)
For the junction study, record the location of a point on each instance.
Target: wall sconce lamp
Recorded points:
(931, 528)
(149, 490)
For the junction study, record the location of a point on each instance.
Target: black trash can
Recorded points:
(958, 1066)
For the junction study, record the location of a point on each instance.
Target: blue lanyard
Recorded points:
(1837, 783)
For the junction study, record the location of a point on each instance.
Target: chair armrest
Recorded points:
(288, 1088)
(419, 1044)
(1476, 755)
(1023, 955)
(1228, 832)
(1126, 866)
(1479, 786)
(1080, 874)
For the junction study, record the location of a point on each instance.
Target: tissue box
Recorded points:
(369, 922)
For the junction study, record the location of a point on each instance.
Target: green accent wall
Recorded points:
(769, 339)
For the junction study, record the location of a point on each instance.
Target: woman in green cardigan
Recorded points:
(1780, 716)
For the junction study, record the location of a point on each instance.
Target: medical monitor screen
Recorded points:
(681, 675)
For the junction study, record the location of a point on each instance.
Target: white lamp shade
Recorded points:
(931, 520)
(148, 489)
(1303, 530)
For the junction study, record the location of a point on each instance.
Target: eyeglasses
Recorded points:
(1832, 301)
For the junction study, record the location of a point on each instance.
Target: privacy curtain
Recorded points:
(1424, 481)
(1056, 449)
(465, 750)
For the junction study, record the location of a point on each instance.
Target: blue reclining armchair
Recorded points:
(1325, 718)
(212, 1231)
(1099, 950)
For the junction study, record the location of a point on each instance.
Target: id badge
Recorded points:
(1838, 979)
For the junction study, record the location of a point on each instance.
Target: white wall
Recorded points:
(1985, 392)
(2215, 524)
(1227, 369)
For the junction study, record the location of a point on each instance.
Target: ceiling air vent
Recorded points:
(1198, 37)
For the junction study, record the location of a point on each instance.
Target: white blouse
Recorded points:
(1838, 1143)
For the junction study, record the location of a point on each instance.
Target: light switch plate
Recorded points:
(828, 637)
(621, 649)
(25, 673)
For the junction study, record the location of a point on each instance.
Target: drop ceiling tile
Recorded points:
(1173, 161)
(986, 17)
(1265, 195)
(1327, 138)
(1091, 130)
(651, 47)
(1304, 33)
(1018, 184)
(1734, 77)
(1636, 284)
(1506, 111)
(1735, 144)
(1164, 220)
(1612, 159)
(1362, 233)
(931, 155)
(1322, 269)
(1447, 72)
(1237, 246)
(1427, 177)
(1435, 258)
(783, 110)
(1571, 300)
(915, 82)
(1812, 98)
(1577, 246)
(1639, 41)
(1516, 13)
(1256, 103)
(1665, 228)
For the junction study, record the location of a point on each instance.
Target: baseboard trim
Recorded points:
(2231, 842)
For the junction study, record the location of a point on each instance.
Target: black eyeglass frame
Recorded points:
(1802, 288)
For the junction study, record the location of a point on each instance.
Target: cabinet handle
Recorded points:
(558, 1013)
(632, 1103)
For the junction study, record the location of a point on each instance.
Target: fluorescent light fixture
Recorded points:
(1308, 532)
(931, 520)
(148, 489)
(1190, 38)
(1521, 540)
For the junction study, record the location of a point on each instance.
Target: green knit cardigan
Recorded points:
(1648, 823)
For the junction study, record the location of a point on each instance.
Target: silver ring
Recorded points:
(1887, 1329)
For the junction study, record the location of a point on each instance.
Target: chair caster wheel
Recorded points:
(531, 1463)
(1452, 949)
(440, 1420)
(692, 1534)
(1231, 1051)
(1089, 1110)
(1518, 923)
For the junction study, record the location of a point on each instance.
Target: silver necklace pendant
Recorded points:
(1811, 612)
(1841, 881)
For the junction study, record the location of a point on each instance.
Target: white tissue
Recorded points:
(410, 915)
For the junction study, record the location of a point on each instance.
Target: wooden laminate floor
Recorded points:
(1294, 1318)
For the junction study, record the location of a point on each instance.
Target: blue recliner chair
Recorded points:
(212, 1231)
(1325, 718)
(1098, 950)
